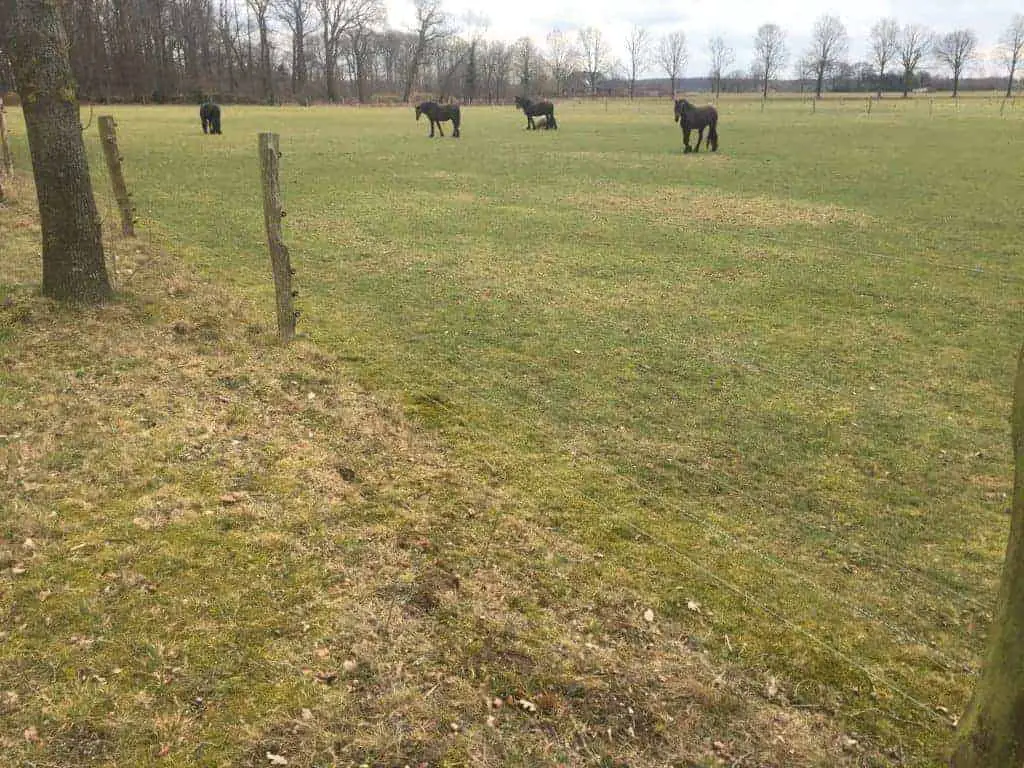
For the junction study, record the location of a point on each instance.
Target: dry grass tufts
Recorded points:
(678, 206)
(215, 550)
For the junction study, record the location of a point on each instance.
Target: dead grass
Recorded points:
(214, 550)
(682, 205)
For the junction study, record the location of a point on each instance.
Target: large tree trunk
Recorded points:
(73, 264)
(991, 732)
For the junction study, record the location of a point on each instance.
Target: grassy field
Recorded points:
(551, 382)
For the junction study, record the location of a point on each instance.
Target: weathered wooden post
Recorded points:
(280, 262)
(6, 158)
(108, 137)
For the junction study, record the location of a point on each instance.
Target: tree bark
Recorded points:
(73, 265)
(991, 731)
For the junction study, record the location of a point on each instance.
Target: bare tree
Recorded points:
(989, 733)
(595, 52)
(956, 50)
(770, 54)
(431, 26)
(527, 62)
(337, 20)
(722, 57)
(638, 46)
(914, 43)
(672, 57)
(1011, 45)
(362, 39)
(885, 46)
(563, 58)
(261, 10)
(829, 45)
(33, 38)
(296, 15)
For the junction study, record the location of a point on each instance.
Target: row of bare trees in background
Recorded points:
(278, 50)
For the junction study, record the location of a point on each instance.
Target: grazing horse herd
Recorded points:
(689, 117)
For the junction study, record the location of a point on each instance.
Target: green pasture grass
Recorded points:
(763, 392)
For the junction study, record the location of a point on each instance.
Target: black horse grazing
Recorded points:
(534, 109)
(438, 114)
(690, 118)
(209, 115)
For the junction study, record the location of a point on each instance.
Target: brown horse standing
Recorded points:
(437, 114)
(534, 109)
(690, 118)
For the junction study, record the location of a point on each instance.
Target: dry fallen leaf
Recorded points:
(307, 714)
(322, 653)
(349, 665)
(649, 616)
(276, 759)
(164, 750)
(771, 690)
(232, 498)
(31, 734)
(529, 706)
(693, 605)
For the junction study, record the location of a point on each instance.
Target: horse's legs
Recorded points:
(455, 124)
(439, 130)
(530, 124)
(686, 140)
(700, 137)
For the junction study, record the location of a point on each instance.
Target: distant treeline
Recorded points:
(270, 51)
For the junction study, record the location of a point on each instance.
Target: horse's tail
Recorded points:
(713, 134)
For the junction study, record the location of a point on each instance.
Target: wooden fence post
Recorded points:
(108, 137)
(280, 262)
(6, 158)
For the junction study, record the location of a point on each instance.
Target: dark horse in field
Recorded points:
(534, 109)
(690, 118)
(209, 115)
(437, 114)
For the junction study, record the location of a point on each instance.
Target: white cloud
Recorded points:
(735, 20)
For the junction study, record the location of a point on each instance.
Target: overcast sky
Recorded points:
(736, 20)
